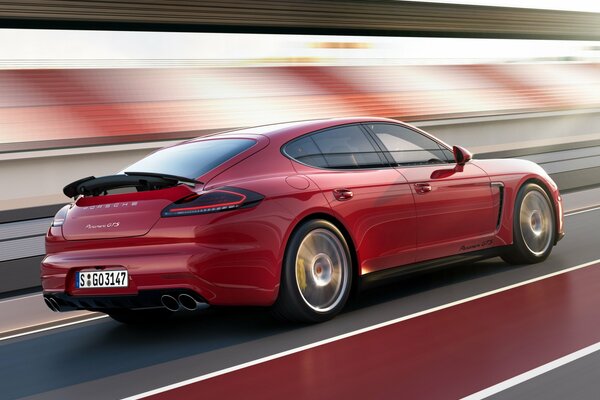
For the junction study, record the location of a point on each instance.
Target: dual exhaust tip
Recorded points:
(171, 303)
(184, 301)
(52, 304)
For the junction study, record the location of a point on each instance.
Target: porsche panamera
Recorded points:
(292, 216)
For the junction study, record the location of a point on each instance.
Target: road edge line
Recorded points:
(47, 328)
(356, 332)
(533, 373)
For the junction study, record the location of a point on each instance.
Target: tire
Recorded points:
(316, 274)
(138, 317)
(534, 227)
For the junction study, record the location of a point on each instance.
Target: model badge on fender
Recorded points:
(477, 245)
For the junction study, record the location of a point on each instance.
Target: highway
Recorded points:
(90, 87)
(217, 353)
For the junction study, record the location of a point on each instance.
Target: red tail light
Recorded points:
(218, 200)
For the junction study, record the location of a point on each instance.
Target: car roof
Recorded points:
(290, 130)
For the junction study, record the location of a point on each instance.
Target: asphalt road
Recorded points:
(575, 381)
(104, 360)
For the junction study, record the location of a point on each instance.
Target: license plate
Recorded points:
(101, 279)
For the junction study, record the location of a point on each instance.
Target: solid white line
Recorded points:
(533, 373)
(20, 298)
(350, 334)
(309, 346)
(568, 214)
(52, 327)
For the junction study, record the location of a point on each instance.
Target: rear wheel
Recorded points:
(137, 317)
(316, 274)
(534, 227)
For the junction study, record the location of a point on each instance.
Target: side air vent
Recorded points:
(499, 186)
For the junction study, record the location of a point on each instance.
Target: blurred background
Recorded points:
(75, 89)
(70, 88)
(87, 90)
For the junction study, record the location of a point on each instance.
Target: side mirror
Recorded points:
(461, 155)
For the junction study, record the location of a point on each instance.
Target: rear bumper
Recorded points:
(217, 275)
(144, 299)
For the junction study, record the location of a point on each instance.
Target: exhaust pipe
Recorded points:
(50, 304)
(170, 302)
(55, 304)
(190, 303)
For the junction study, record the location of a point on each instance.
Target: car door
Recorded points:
(370, 197)
(455, 209)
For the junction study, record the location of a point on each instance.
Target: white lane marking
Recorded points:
(352, 333)
(52, 327)
(542, 369)
(568, 214)
(20, 298)
(292, 351)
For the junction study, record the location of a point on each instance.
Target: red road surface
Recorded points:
(450, 353)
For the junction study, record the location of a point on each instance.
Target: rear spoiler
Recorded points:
(92, 186)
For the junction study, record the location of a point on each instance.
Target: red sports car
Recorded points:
(294, 216)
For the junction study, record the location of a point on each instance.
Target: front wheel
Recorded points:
(316, 275)
(534, 227)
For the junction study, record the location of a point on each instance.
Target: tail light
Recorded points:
(217, 200)
(59, 218)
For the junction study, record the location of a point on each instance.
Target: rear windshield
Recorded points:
(191, 160)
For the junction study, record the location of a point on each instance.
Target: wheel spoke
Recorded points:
(535, 220)
(322, 269)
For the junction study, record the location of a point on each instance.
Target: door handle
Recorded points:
(343, 194)
(422, 188)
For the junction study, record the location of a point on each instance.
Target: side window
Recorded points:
(408, 147)
(305, 150)
(345, 147)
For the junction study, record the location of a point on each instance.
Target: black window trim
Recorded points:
(385, 163)
(390, 158)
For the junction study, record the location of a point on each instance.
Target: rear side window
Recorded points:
(346, 147)
(193, 159)
(408, 147)
(305, 150)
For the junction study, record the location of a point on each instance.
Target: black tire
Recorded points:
(534, 227)
(138, 317)
(328, 277)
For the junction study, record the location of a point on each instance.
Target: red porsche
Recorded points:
(294, 216)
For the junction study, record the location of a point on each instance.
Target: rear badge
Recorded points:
(102, 226)
(112, 205)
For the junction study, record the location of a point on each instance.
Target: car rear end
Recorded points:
(162, 242)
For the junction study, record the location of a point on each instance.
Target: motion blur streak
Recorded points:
(343, 17)
(59, 107)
